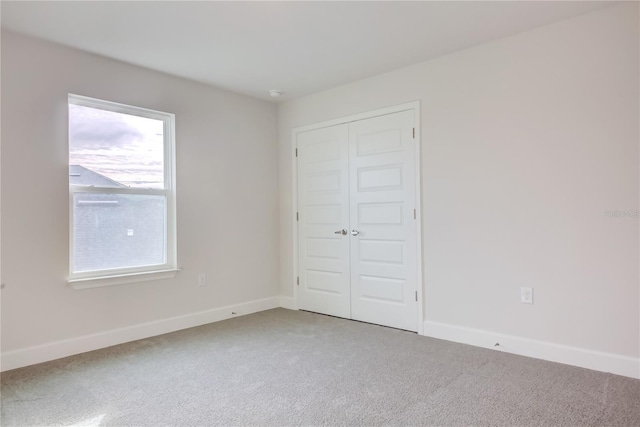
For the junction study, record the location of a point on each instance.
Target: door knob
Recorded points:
(343, 232)
(354, 232)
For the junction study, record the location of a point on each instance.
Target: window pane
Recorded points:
(118, 231)
(126, 149)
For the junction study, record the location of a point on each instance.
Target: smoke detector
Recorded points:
(275, 93)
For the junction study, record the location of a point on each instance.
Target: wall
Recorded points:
(227, 205)
(529, 178)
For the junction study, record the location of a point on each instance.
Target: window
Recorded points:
(121, 186)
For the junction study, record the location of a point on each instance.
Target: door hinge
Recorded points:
(414, 214)
(298, 281)
(416, 295)
(297, 216)
(414, 133)
(296, 152)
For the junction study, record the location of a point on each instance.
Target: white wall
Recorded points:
(227, 199)
(526, 142)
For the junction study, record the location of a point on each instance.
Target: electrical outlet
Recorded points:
(202, 280)
(526, 295)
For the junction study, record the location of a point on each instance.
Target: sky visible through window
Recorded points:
(125, 148)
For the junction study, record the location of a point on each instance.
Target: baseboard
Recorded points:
(584, 358)
(599, 361)
(288, 303)
(57, 349)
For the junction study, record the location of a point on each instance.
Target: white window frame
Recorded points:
(116, 276)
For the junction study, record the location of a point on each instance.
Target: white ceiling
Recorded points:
(298, 47)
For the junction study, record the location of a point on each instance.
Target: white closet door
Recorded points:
(382, 203)
(359, 177)
(323, 208)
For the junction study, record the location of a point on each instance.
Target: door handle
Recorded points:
(343, 232)
(354, 232)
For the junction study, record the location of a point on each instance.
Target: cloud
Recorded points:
(96, 129)
(123, 147)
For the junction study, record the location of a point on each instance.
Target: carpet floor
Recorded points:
(281, 367)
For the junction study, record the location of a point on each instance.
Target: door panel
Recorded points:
(323, 207)
(387, 177)
(382, 202)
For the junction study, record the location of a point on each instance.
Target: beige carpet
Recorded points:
(283, 367)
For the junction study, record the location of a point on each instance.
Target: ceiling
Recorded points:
(297, 47)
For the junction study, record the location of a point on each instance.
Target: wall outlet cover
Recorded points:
(526, 295)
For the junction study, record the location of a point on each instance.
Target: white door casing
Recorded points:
(360, 175)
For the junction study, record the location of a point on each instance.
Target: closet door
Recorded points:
(357, 254)
(382, 224)
(323, 214)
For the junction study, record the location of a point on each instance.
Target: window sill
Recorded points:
(121, 279)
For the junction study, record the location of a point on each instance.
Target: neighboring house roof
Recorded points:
(79, 175)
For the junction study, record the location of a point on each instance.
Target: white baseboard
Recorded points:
(288, 303)
(57, 349)
(584, 358)
(590, 359)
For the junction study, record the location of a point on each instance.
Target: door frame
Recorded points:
(410, 106)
